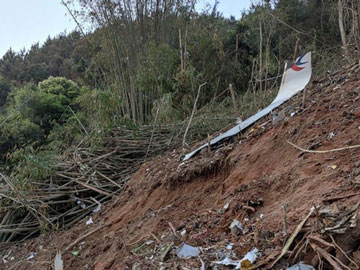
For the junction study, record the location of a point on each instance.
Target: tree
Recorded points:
(4, 91)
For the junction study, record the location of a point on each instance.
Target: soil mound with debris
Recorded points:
(289, 186)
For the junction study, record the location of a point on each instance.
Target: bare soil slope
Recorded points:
(257, 178)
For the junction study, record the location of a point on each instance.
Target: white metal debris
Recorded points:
(294, 80)
(31, 256)
(227, 261)
(186, 251)
(230, 246)
(58, 262)
(90, 221)
(251, 256)
(236, 227)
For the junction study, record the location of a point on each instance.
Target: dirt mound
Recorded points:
(257, 178)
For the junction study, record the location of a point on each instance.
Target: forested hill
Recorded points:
(144, 61)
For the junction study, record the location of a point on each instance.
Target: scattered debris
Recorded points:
(292, 237)
(186, 251)
(236, 227)
(31, 256)
(277, 118)
(246, 261)
(226, 206)
(98, 207)
(249, 259)
(203, 266)
(257, 222)
(230, 246)
(89, 221)
(58, 262)
(75, 253)
(337, 221)
(166, 249)
(301, 266)
(227, 261)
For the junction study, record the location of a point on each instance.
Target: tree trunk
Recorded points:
(356, 25)
(342, 30)
(260, 60)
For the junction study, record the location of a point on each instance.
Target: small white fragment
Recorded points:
(292, 114)
(31, 256)
(331, 135)
(81, 204)
(236, 227)
(227, 261)
(202, 264)
(98, 207)
(251, 256)
(262, 216)
(90, 221)
(230, 246)
(226, 206)
(183, 233)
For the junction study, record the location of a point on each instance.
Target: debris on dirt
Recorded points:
(301, 266)
(236, 227)
(292, 237)
(249, 259)
(227, 261)
(246, 262)
(58, 262)
(339, 221)
(165, 250)
(165, 205)
(89, 221)
(186, 251)
(31, 256)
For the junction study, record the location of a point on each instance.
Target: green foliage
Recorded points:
(156, 72)
(34, 110)
(21, 132)
(31, 164)
(4, 91)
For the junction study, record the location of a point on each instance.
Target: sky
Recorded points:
(25, 22)
(227, 7)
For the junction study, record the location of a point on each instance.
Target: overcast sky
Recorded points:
(25, 22)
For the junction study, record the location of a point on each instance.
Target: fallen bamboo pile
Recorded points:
(84, 180)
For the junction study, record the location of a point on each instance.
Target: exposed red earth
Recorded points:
(257, 178)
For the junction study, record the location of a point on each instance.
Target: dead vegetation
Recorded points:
(293, 205)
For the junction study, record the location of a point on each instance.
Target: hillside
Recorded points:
(258, 178)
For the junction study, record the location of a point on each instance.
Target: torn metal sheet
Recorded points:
(186, 251)
(296, 76)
